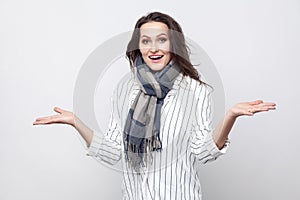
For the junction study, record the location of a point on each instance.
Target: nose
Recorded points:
(154, 47)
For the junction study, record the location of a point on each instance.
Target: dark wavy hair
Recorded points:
(178, 49)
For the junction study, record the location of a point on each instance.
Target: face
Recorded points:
(154, 45)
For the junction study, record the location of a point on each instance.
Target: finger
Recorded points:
(256, 102)
(270, 104)
(41, 118)
(263, 108)
(250, 112)
(59, 110)
(35, 123)
(39, 122)
(46, 120)
(271, 107)
(264, 105)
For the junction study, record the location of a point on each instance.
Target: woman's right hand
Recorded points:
(63, 117)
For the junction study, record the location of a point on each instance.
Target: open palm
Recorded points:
(250, 108)
(63, 117)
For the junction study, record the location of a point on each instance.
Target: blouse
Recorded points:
(186, 141)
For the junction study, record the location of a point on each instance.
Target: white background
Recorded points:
(254, 45)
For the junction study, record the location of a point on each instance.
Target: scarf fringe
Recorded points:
(140, 156)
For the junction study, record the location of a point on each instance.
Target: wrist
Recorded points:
(231, 115)
(74, 119)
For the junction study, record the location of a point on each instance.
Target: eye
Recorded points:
(162, 40)
(145, 41)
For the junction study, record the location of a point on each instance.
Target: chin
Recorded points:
(156, 67)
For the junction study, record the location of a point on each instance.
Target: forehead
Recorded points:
(153, 28)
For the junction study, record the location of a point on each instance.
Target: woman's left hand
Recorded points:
(250, 108)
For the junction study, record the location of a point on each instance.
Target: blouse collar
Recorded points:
(180, 81)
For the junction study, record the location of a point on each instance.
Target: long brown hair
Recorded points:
(179, 50)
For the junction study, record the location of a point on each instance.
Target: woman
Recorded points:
(161, 117)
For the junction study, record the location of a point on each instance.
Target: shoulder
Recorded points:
(188, 83)
(126, 88)
(125, 85)
(120, 98)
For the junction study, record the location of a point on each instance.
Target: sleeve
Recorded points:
(202, 143)
(107, 147)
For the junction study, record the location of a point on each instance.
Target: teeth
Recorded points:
(155, 57)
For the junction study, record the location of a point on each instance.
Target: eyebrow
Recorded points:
(156, 36)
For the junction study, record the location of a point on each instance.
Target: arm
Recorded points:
(104, 147)
(202, 143)
(221, 132)
(207, 144)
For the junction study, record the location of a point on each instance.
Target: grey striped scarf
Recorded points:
(142, 127)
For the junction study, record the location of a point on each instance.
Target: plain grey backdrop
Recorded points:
(43, 44)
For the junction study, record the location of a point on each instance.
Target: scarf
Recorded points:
(142, 127)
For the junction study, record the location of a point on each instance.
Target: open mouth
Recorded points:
(156, 57)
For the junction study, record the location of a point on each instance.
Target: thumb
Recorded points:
(59, 110)
(256, 102)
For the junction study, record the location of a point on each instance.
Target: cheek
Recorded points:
(144, 53)
(143, 49)
(167, 58)
(165, 47)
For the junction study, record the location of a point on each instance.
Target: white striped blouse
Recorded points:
(186, 142)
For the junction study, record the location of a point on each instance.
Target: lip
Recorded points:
(155, 60)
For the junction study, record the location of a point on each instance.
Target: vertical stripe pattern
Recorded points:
(186, 142)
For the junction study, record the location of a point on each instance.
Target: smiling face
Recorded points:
(154, 45)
